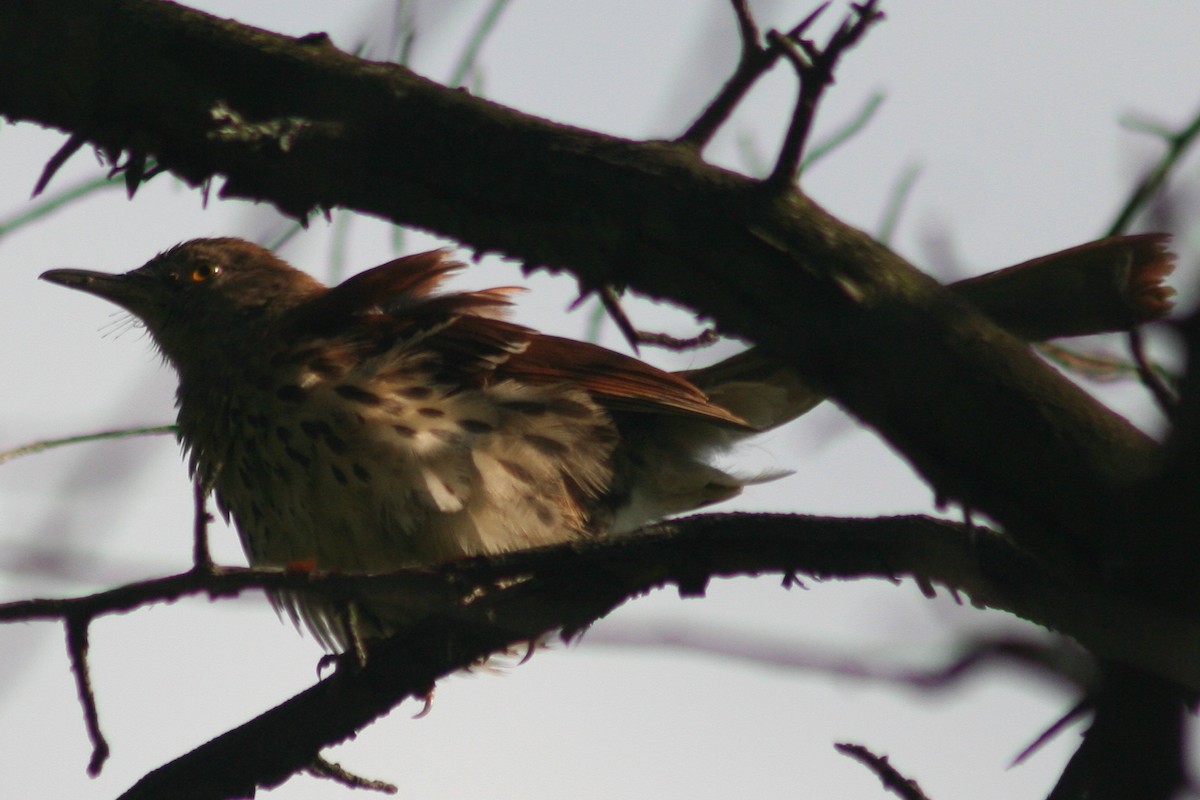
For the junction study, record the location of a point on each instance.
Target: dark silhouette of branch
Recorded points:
(891, 778)
(1178, 143)
(814, 67)
(636, 337)
(755, 61)
(1099, 526)
(1150, 377)
(77, 649)
(1135, 745)
(307, 126)
(74, 142)
(476, 607)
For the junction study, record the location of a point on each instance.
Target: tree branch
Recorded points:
(755, 61)
(306, 126)
(892, 779)
(814, 67)
(476, 607)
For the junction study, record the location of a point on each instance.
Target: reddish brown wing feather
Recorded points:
(617, 381)
(404, 280)
(393, 302)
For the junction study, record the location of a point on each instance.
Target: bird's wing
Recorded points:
(395, 304)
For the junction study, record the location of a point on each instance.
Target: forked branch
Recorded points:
(814, 66)
(756, 60)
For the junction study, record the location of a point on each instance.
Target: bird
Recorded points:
(385, 423)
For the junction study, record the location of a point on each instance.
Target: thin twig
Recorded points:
(321, 768)
(636, 337)
(666, 341)
(814, 67)
(1167, 401)
(47, 444)
(612, 304)
(77, 649)
(891, 778)
(1177, 145)
(1096, 366)
(754, 61)
(55, 202)
(1075, 712)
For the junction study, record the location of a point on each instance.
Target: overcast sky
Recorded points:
(1011, 112)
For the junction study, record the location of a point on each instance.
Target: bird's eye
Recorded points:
(203, 273)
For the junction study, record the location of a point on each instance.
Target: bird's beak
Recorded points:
(130, 291)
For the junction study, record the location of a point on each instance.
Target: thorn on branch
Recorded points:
(56, 161)
(135, 173)
(790, 579)
(814, 67)
(77, 649)
(1075, 713)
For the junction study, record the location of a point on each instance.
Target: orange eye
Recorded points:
(203, 273)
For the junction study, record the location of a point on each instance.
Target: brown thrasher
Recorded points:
(378, 424)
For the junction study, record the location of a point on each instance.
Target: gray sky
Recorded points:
(1011, 111)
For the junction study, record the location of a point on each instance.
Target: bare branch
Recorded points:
(1178, 143)
(857, 320)
(636, 337)
(754, 62)
(471, 608)
(891, 778)
(1167, 400)
(77, 648)
(814, 68)
(1075, 712)
(1135, 746)
(321, 768)
(1177, 146)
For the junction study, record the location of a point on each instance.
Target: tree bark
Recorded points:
(298, 123)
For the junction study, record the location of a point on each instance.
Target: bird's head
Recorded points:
(198, 297)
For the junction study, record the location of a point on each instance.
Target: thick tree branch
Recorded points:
(691, 551)
(533, 593)
(305, 126)
(476, 607)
